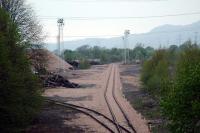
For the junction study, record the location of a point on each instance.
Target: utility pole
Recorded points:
(60, 23)
(125, 38)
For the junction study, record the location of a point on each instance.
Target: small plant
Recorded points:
(84, 64)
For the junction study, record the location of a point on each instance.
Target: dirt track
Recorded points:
(92, 95)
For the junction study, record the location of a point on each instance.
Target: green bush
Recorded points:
(19, 89)
(155, 72)
(182, 105)
(173, 75)
(84, 64)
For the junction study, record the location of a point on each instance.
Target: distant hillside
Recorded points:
(160, 36)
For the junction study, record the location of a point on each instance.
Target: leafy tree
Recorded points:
(139, 53)
(173, 48)
(19, 96)
(30, 30)
(97, 52)
(172, 75)
(149, 51)
(70, 55)
(182, 104)
(185, 45)
(115, 55)
(155, 72)
(84, 50)
(23, 16)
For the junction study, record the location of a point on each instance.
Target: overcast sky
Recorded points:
(49, 10)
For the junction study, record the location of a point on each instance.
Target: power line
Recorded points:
(106, 1)
(104, 18)
(92, 36)
(109, 36)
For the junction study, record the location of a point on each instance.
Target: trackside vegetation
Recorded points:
(108, 55)
(20, 98)
(173, 77)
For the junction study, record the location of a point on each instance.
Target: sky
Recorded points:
(108, 18)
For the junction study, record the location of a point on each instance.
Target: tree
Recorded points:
(149, 51)
(23, 16)
(29, 29)
(70, 55)
(84, 50)
(173, 48)
(97, 51)
(139, 52)
(182, 104)
(185, 45)
(155, 72)
(19, 89)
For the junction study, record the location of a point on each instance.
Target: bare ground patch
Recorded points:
(141, 100)
(56, 119)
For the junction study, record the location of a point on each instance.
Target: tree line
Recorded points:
(172, 76)
(108, 55)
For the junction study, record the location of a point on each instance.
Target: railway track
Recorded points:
(111, 124)
(117, 103)
(100, 118)
(108, 104)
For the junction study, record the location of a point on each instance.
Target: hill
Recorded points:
(164, 35)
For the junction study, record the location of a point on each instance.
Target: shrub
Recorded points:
(19, 96)
(182, 104)
(155, 72)
(84, 64)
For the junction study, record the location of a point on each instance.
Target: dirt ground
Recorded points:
(89, 95)
(141, 100)
(54, 119)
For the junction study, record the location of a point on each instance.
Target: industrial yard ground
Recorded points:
(56, 119)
